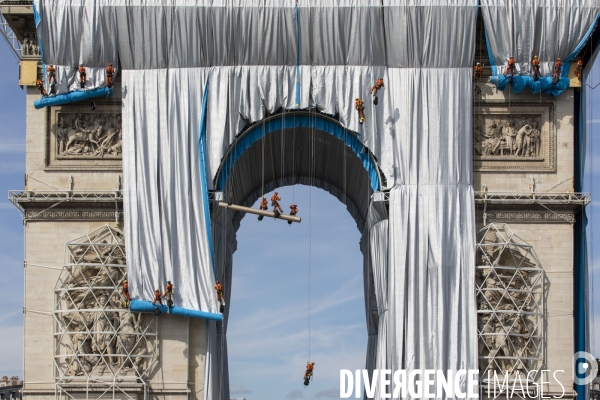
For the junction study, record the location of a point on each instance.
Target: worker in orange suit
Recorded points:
(109, 75)
(52, 78)
(293, 211)
(375, 88)
(360, 107)
(510, 68)
(125, 288)
(157, 297)
(82, 76)
(579, 69)
(275, 199)
(168, 294)
(264, 205)
(220, 295)
(477, 71)
(557, 70)
(40, 86)
(308, 373)
(535, 63)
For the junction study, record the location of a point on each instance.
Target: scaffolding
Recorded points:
(511, 297)
(8, 34)
(101, 349)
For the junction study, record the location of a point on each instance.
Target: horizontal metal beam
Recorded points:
(264, 213)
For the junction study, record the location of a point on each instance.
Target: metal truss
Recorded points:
(9, 35)
(510, 287)
(55, 197)
(100, 347)
(564, 198)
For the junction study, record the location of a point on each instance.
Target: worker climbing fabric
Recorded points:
(550, 29)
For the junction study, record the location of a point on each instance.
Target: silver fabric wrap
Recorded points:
(422, 280)
(74, 32)
(546, 28)
(165, 221)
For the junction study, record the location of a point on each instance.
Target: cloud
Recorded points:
(238, 389)
(333, 393)
(294, 394)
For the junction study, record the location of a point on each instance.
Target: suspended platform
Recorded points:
(270, 214)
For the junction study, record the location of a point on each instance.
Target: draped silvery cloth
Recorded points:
(546, 28)
(420, 132)
(432, 314)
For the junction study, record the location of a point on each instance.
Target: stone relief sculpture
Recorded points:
(89, 135)
(510, 302)
(517, 136)
(96, 336)
(30, 45)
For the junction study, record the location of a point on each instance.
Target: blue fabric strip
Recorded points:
(297, 61)
(37, 19)
(303, 121)
(580, 273)
(520, 82)
(572, 56)
(72, 97)
(148, 307)
(202, 151)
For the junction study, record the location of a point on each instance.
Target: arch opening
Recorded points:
(303, 151)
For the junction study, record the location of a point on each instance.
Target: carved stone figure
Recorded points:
(508, 136)
(510, 294)
(30, 45)
(88, 135)
(95, 335)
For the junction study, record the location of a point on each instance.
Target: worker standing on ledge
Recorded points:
(557, 71)
(293, 211)
(168, 294)
(157, 297)
(264, 205)
(82, 76)
(275, 199)
(308, 373)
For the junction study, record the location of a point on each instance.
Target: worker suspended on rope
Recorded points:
(220, 296)
(308, 373)
(535, 63)
(264, 205)
(82, 76)
(109, 75)
(579, 69)
(275, 199)
(360, 107)
(375, 88)
(125, 289)
(52, 78)
(40, 86)
(477, 73)
(293, 211)
(557, 71)
(510, 68)
(168, 294)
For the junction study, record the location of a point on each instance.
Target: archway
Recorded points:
(288, 149)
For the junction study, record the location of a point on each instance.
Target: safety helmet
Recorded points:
(276, 192)
(81, 65)
(218, 282)
(558, 59)
(157, 291)
(478, 64)
(51, 65)
(124, 280)
(535, 56)
(169, 282)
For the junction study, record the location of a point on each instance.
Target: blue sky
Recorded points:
(268, 330)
